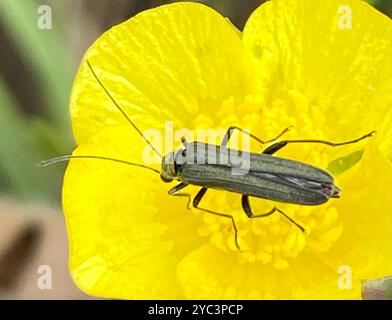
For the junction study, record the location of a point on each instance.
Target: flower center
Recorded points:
(273, 239)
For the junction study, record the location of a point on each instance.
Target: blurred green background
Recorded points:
(37, 69)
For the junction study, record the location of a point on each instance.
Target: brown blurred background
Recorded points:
(37, 68)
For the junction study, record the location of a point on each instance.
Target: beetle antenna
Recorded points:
(121, 110)
(49, 162)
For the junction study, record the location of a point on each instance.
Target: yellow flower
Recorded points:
(296, 63)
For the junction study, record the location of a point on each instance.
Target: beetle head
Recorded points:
(171, 165)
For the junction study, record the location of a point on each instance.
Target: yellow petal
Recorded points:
(384, 135)
(366, 212)
(167, 63)
(126, 233)
(209, 273)
(343, 69)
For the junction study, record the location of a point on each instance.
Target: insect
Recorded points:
(268, 176)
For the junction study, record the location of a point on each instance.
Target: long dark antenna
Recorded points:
(56, 160)
(121, 110)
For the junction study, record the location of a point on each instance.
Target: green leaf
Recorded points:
(342, 164)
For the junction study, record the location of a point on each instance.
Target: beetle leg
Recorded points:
(275, 147)
(174, 192)
(196, 202)
(229, 133)
(200, 194)
(279, 145)
(248, 211)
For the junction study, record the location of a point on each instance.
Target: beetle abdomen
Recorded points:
(252, 184)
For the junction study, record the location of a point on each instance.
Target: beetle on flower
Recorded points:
(292, 65)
